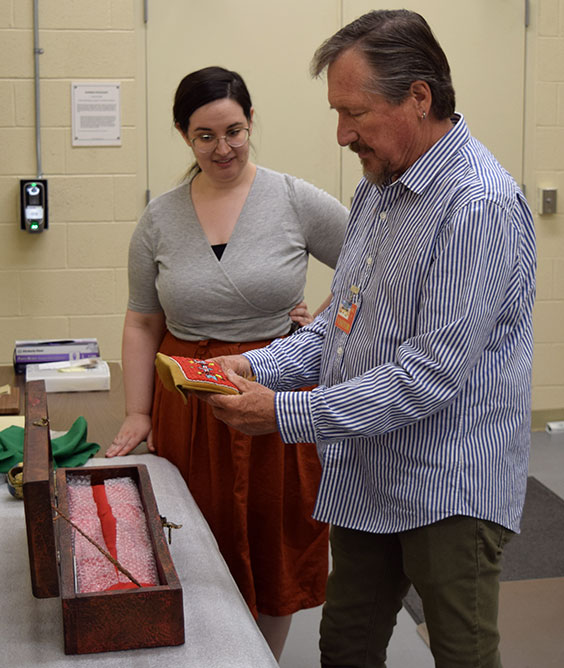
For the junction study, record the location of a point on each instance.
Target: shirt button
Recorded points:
(368, 260)
(340, 350)
(383, 215)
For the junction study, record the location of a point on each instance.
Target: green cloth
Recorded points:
(70, 449)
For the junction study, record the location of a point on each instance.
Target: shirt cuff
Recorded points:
(264, 366)
(293, 417)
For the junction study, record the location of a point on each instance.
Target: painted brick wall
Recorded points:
(544, 168)
(71, 280)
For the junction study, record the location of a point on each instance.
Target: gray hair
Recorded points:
(400, 47)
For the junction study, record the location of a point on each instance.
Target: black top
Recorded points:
(218, 250)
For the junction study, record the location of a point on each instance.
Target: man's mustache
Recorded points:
(357, 147)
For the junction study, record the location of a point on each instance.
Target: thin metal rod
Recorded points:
(108, 556)
(37, 52)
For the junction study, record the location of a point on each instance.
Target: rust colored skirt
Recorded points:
(256, 493)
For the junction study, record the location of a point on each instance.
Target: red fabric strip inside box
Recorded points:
(111, 514)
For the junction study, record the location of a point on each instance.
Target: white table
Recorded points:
(220, 631)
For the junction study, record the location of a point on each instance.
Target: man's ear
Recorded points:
(420, 92)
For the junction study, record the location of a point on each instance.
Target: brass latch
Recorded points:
(170, 526)
(42, 422)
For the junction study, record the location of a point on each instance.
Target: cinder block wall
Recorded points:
(69, 281)
(544, 168)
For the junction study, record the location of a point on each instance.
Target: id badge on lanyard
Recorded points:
(346, 313)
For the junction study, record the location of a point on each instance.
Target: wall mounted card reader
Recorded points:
(33, 198)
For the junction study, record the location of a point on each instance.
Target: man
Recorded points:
(423, 359)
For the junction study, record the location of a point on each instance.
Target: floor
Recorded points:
(407, 648)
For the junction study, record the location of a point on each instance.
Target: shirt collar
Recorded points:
(417, 177)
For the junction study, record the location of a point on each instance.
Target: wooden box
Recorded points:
(95, 621)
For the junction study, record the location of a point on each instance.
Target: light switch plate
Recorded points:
(547, 201)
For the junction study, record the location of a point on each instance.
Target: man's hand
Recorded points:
(251, 412)
(238, 363)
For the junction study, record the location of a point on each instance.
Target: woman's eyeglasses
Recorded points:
(206, 143)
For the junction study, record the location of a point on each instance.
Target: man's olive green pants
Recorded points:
(454, 566)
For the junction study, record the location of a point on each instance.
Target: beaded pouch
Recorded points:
(186, 373)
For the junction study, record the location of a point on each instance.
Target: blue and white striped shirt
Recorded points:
(423, 410)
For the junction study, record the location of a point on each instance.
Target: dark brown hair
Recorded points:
(205, 86)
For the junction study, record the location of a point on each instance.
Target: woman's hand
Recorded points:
(135, 428)
(301, 315)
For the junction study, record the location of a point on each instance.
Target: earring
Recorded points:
(423, 115)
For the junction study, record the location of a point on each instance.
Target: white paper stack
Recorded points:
(84, 375)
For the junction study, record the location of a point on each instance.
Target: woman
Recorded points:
(216, 267)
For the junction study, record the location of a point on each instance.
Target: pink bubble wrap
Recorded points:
(94, 572)
(133, 545)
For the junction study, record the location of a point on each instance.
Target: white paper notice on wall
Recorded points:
(96, 115)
